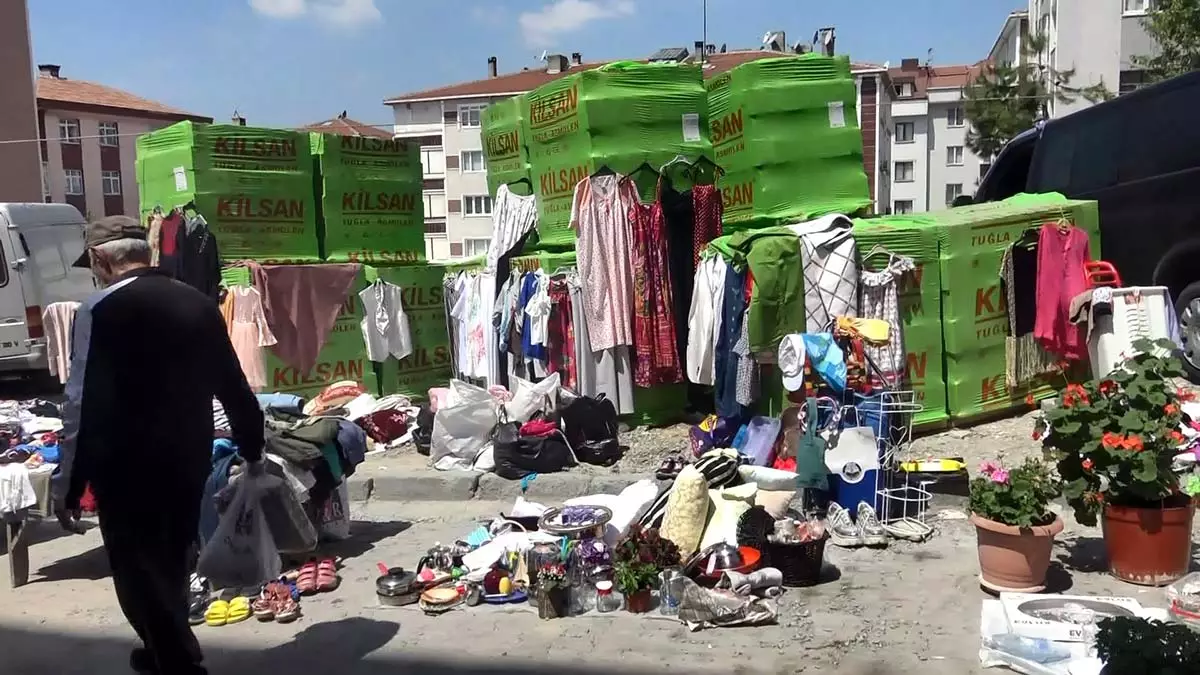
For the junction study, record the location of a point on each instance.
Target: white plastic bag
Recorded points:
(335, 514)
(529, 398)
(463, 428)
(242, 550)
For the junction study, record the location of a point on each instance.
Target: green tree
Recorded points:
(1175, 27)
(1004, 100)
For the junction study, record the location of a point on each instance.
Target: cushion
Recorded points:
(768, 478)
(775, 502)
(726, 507)
(719, 467)
(687, 511)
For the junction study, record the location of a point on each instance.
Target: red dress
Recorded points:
(706, 201)
(657, 357)
(1060, 277)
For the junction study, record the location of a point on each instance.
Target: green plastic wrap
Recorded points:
(253, 186)
(430, 363)
(343, 357)
(504, 144)
(372, 208)
(619, 116)
(785, 130)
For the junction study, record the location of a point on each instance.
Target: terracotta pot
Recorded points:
(640, 602)
(1148, 546)
(1013, 558)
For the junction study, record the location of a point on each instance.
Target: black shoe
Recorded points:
(142, 662)
(197, 605)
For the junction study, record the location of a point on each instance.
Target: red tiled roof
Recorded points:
(344, 126)
(51, 90)
(528, 80)
(925, 78)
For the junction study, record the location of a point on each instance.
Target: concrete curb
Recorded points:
(430, 485)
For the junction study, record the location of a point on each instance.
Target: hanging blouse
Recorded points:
(709, 209)
(249, 333)
(1060, 277)
(656, 350)
(384, 324)
(1024, 358)
(512, 216)
(881, 300)
(600, 218)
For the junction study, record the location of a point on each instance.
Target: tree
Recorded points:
(1175, 27)
(1006, 99)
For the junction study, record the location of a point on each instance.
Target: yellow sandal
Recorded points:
(239, 610)
(217, 613)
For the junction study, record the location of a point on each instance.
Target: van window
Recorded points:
(1161, 137)
(3, 269)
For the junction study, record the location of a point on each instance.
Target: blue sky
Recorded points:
(292, 62)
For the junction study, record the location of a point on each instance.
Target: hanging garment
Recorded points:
(154, 235)
(1024, 358)
(384, 324)
(562, 349)
(1060, 277)
(170, 242)
(614, 377)
(533, 351)
(58, 319)
(600, 218)
(470, 326)
(746, 384)
(777, 306)
(487, 332)
(200, 262)
(830, 270)
(302, 303)
(657, 355)
(538, 310)
(881, 300)
(513, 216)
(704, 319)
(585, 364)
(450, 292)
(709, 208)
(733, 311)
(249, 333)
(227, 311)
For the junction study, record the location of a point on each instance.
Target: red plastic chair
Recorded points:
(1101, 273)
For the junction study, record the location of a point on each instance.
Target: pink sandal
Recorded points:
(306, 582)
(327, 576)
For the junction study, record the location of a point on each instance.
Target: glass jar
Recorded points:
(670, 591)
(606, 599)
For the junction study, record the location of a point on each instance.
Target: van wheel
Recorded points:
(1187, 306)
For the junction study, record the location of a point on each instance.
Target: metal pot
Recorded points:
(396, 587)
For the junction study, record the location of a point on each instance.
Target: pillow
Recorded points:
(768, 478)
(687, 511)
(727, 507)
(720, 467)
(775, 502)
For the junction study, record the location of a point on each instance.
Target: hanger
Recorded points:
(644, 166)
(522, 179)
(879, 249)
(717, 171)
(604, 170)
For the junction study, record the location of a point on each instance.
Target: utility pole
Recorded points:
(704, 31)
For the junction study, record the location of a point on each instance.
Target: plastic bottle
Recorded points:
(1031, 649)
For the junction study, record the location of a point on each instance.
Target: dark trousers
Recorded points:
(149, 535)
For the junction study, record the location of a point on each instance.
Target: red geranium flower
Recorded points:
(1170, 409)
(1185, 395)
(1108, 387)
(1176, 437)
(1111, 441)
(1087, 464)
(1133, 442)
(1029, 399)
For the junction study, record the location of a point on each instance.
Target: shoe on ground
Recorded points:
(842, 531)
(870, 531)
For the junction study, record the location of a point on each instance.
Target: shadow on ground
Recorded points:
(348, 647)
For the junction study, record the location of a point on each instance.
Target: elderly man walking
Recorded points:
(149, 354)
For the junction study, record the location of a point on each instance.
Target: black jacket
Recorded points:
(149, 354)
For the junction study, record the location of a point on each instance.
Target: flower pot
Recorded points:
(1013, 558)
(640, 602)
(552, 603)
(1148, 546)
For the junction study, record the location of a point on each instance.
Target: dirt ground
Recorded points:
(909, 609)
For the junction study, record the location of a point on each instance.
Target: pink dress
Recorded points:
(1060, 277)
(249, 333)
(604, 249)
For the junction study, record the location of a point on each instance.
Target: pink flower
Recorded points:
(989, 468)
(1000, 476)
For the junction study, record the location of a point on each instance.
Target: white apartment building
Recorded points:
(446, 122)
(931, 164)
(1098, 40)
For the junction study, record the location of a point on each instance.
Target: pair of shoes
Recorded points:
(275, 603)
(848, 534)
(222, 613)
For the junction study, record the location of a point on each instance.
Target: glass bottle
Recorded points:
(670, 591)
(582, 594)
(606, 599)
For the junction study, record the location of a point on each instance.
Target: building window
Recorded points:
(472, 161)
(954, 155)
(74, 181)
(68, 131)
(433, 161)
(904, 132)
(109, 134)
(1138, 6)
(111, 182)
(953, 191)
(475, 247)
(902, 206)
(904, 89)
(904, 172)
(468, 115)
(983, 169)
(477, 205)
(45, 180)
(1131, 80)
(954, 117)
(435, 205)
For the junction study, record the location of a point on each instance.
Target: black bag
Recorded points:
(506, 437)
(516, 459)
(591, 429)
(423, 434)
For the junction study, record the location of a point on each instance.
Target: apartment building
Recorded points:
(88, 133)
(1095, 39)
(446, 122)
(931, 164)
(18, 115)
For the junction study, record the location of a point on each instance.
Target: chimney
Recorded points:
(698, 48)
(49, 70)
(576, 58)
(491, 67)
(910, 65)
(238, 120)
(557, 63)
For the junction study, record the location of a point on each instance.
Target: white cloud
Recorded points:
(342, 13)
(544, 27)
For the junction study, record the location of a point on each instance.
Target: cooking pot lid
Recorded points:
(397, 583)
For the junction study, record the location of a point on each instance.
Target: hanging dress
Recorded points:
(656, 349)
(249, 333)
(881, 300)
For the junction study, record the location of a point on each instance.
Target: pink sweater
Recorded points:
(1060, 277)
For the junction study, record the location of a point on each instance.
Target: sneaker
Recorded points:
(871, 532)
(842, 531)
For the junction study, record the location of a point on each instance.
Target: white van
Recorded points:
(38, 244)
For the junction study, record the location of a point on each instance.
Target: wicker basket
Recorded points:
(799, 563)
